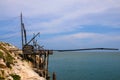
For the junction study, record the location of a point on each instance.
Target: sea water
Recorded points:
(85, 65)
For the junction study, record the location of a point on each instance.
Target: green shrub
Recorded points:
(2, 78)
(7, 58)
(1, 55)
(15, 77)
(8, 65)
(8, 44)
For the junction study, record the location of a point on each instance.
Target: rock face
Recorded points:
(12, 67)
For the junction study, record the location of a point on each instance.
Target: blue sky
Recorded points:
(63, 24)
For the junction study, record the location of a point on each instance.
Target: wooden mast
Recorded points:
(21, 30)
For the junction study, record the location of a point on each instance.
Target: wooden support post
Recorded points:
(46, 64)
(54, 76)
(21, 29)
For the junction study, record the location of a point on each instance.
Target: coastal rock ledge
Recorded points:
(13, 67)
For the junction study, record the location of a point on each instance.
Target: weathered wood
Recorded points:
(40, 62)
(38, 52)
(54, 76)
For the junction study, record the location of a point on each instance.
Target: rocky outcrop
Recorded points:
(13, 67)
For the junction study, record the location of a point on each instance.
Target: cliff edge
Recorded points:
(13, 67)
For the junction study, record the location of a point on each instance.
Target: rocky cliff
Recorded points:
(13, 67)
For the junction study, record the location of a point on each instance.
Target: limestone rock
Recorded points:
(16, 65)
(2, 64)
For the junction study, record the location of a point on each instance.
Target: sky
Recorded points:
(63, 24)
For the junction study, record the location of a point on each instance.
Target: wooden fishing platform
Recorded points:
(35, 53)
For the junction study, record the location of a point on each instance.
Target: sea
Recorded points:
(85, 65)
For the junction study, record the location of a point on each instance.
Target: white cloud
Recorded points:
(76, 12)
(62, 16)
(56, 7)
(81, 40)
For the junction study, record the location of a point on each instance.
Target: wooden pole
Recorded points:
(21, 30)
(54, 76)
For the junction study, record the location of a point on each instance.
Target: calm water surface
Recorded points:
(85, 65)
